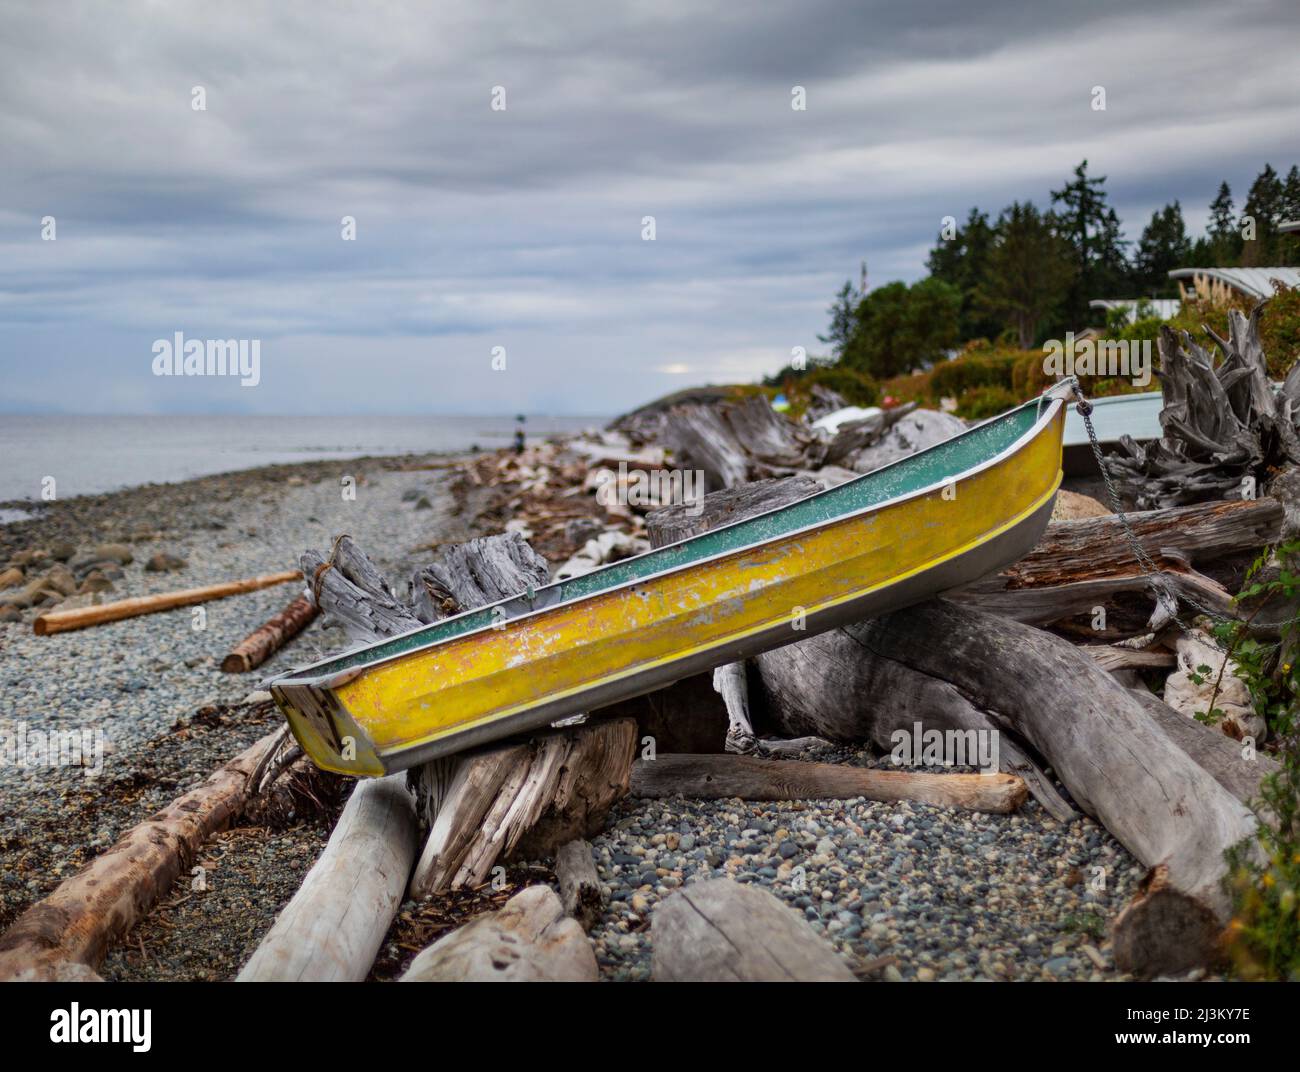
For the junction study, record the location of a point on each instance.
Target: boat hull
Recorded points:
(615, 644)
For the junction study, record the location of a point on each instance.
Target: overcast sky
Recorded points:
(522, 228)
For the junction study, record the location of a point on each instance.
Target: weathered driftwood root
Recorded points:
(66, 935)
(722, 931)
(581, 891)
(739, 441)
(334, 925)
(267, 639)
(524, 799)
(530, 939)
(1223, 425)
(724, 776)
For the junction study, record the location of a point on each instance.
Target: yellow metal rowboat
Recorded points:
(924, 525)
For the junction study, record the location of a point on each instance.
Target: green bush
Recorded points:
(855, 387)
(978, 368)
(1279, 330)
(980, 402)
(1263, 938)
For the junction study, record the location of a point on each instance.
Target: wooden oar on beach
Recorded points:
(60, 621)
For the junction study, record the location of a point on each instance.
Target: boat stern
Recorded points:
(325, 730)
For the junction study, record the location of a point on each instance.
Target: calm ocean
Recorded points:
(86, 455)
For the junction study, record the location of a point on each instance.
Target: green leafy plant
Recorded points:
(1263, 940)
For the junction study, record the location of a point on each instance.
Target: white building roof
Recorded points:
(1253, 282)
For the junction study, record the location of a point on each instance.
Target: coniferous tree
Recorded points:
(1029, 273)
(1091, 227)
(1222, 238)
(1290, 243)
(842, 311)
(960, 261)
(1262, 212)
(1163, 246)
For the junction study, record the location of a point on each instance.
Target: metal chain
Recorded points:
(1164, 594)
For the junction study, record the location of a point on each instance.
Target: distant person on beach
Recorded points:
(519, 434)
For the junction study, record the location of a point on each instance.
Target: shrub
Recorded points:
(909, 387)
(1279, 330)
(855, 387)
(979, 368)
(980, 402)
(1263, 939)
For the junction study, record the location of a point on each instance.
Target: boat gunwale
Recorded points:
(327, 679)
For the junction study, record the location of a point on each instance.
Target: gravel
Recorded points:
(947, 894)
(152, 689)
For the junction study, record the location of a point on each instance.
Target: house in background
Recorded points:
(1220, 284)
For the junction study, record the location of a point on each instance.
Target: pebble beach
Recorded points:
(903, 891)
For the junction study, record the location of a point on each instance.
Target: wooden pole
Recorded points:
(61, 621)
(266, 640)
(336, 922)
(723, 776)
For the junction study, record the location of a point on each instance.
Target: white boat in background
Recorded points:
(1136, 415)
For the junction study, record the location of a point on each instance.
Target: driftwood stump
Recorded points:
(526, 798)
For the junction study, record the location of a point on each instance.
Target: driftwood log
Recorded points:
(528, 940)
(334, 925)
(267, 639)
(721, 777)
(721, 931)
(524, 799)
(65, 935)
(62, 621)
(1084, 563)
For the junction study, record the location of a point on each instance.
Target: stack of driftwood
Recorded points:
(1056, 654)
(1051, 653)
